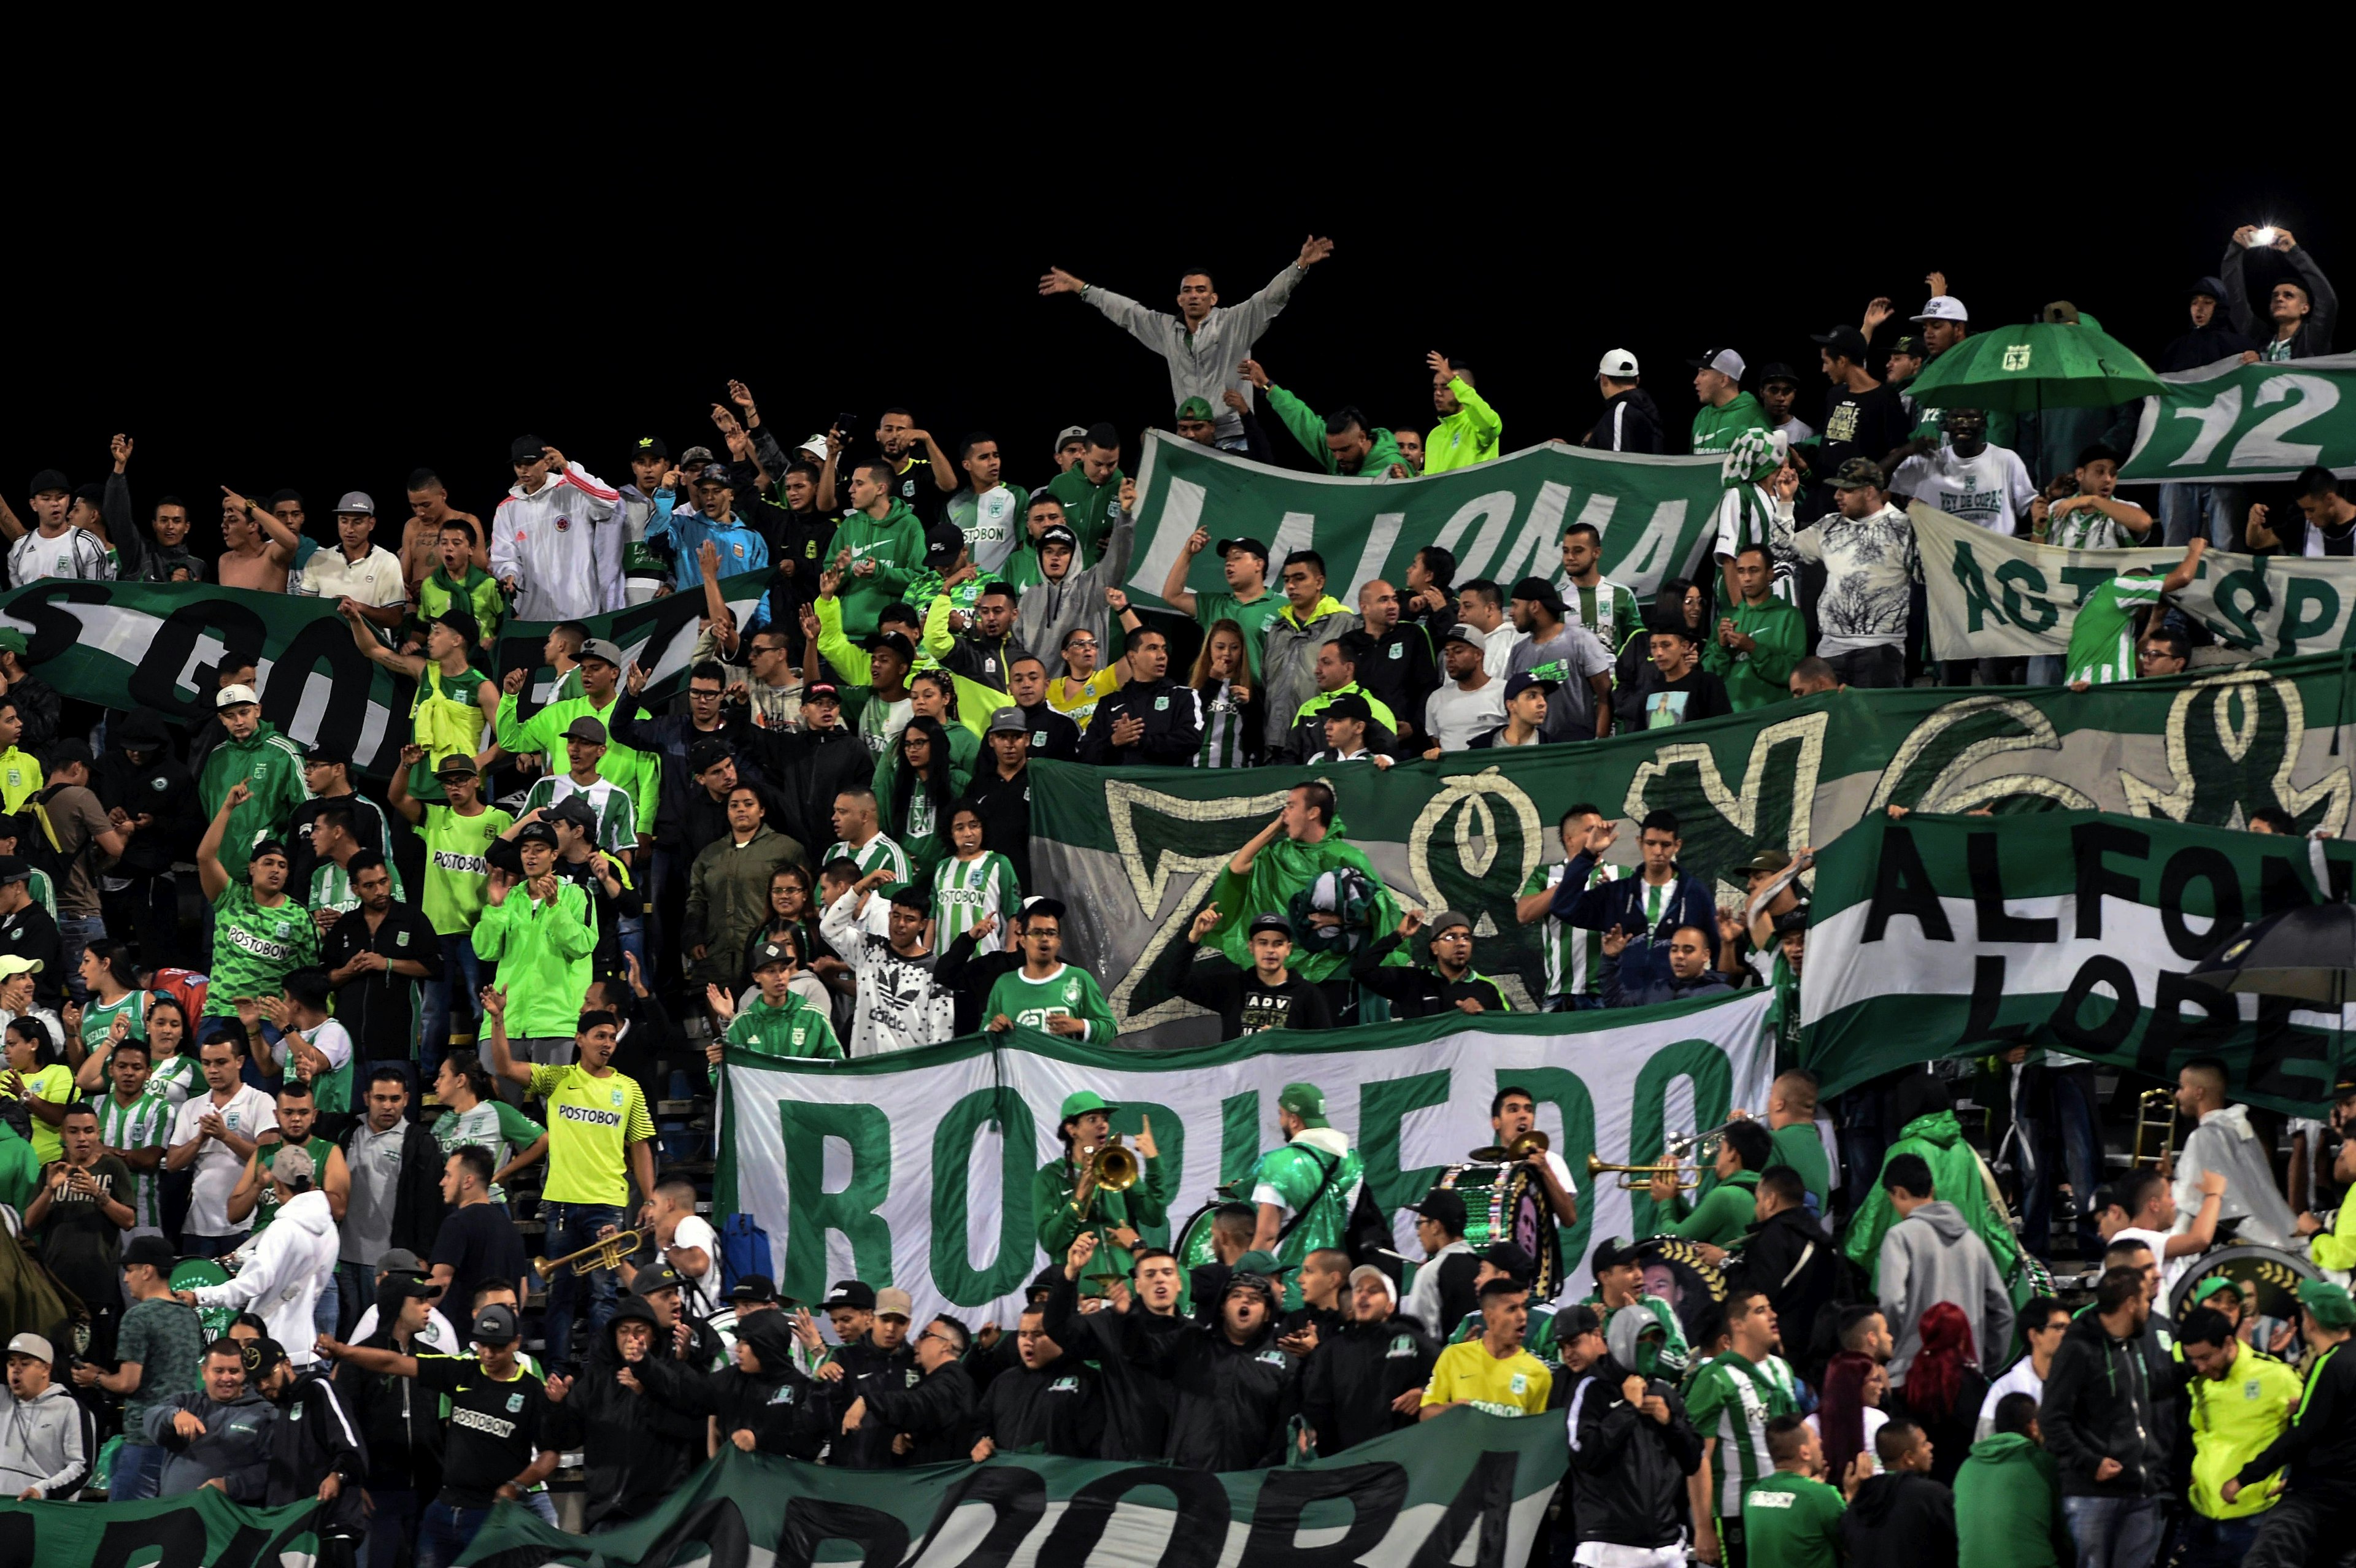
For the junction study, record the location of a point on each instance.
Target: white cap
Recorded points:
(1725, 361)
(232, 696)
(1944, 307)
(1618, 364)
(815, 446)
(32, 1345)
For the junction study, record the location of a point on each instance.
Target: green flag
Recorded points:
(2229, 422)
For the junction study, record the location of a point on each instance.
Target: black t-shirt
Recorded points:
(81, 1245)
(1860, 424)
(494, 1426)
(479, 1243)
(915, 486)
(1699, 695)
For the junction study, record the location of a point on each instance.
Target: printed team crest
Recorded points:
(1161, 704)
(563, 525)
(2016, 356)
(278, 928)
(401, 939)
(618, 1099)
(1071, 990)
(515, 1404)
(2250, 1388)
(1064, 1385)
(157, 785)
(1397, 650)
(1273, 1357)
(1038, 737)
(1521, 1382)
(739, 550)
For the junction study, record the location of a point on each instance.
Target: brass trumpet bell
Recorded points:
(1637, 1177)
(606, 1251)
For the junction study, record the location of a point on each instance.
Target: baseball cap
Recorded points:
(1461, 633)
(400, 1260)
(1271, 921)
(1522, 681)
(1070, 433)
(771, 953)
(815, 446)
(1614, 1252)
(695, 457)
(1857, 472)
(1767, 860)
(49, 479)
(2328, 1304)
(1388, 1284)
(1539, 591)
(1303, 1099)
(461, 622)
(1618, 364)
(896, 642)
(1910, 347)
(1844, 340)
(1060, 535)
(1725, 361)
(457, 764)
(265, 847)
(536, 833)
(234, 696)
(599, 648)
(152, 1250)
(892, 1302)
(1006, 720)
(752, 1287)
(820, 692)
(575, 810)
(1944, 307)
(293, 1165)
(942, 542)
(1791, 920)
(851, 1293)
(356, 502)
(1263, 1265)
(1447, 920)
(525, 449)
(706, 754)
(496, 1325)
(586, 729)
(649, 446)
(715, 473)
(1192, 409)
(32, 1345)
(1511, 1257)
(1252, 545)
(1052, 908)
(13, 870)
(325, 750)
(1444, 1206)
(416, 1286)
(1349, 705)
(1778, 371)
(1080, 1102)
(662, 1276)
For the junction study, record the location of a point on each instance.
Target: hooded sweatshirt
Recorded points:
(283, 1274)
(1049, 612)
(1307, 427)
(563, 544)
(314, 1436)
(638, 1447)
(542, 952)
(269, 764)
(1901, 1521)
(1289, 660)
(235, 1445)
(896, 543)
(1714, 429)
(2009, 1507)
(46, 1441)
(2099, 1405)
(1931, 1256)
(1957, 1177)
(1470, 435)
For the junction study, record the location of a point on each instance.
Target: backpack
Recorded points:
(743, 1249)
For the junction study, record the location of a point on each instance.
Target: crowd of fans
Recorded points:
(411, 1032)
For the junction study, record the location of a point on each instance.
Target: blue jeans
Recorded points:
(2114, 1532)
(196, 1246)
(450, 1006)
(76, 932)
(138, 1469)
(543, 1507)
(325, 1309)
(571, 1227)
(630, 930)
(2217, 1542)
(445, 1532)
(391, 1527)
(2216, 508)
(2045, 669)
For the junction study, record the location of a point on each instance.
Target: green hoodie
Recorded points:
(1714, 430)
(1959, 1179)
(1308, 428)
(1089, 511)
(478, 594)
(1281, 869)
(269, 764)
(542, 952)
(896, 543)
(2009, 1507)
(1761, 676)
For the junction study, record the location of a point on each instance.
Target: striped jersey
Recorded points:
(331, 887)
(1223, 728)
(1574, 957)
(1733, 1400)
(877, 854)
(98, 1018)
(146, 1122)
(2102, 638)
(965, 891)
(618, 814)
(175, 1078)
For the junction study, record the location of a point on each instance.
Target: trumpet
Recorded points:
(1530, 1144)
(1111, 1169)
(1644, 1173)
(2154, 1113)
(1696, 1147)
(605, 1252)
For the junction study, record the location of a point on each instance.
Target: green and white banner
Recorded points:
(159, 646)
(1502, 519)
(2230, 421)
(1465, 1489)
(202, 1530)
(1134, 852)
(1994, 596)
(915, 1168)
(2074, 929)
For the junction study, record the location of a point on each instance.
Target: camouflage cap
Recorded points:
(1859, 473)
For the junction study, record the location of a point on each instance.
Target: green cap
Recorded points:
(2212, 1286)
(13, 641)
(1195, 409)
(1303, 1099)
(1258, 1263)
(2327, 1304)
(1084, 1101)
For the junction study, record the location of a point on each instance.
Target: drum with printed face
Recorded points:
(1507, 1202)
(2266, 1279)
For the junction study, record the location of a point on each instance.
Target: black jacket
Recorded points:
(1628, 1471)
(1005, 814)
(1172, 715)
(314, 1435)
(1789, 1257)
(1053, 1410)
(967, 980)
(2099, 1403)
(937, 1413)
(31, 932)
(2314, 335)
(1233, 1400)
(1415, 991)
(1629, 422)
(638, 1447)
(2206, 345)
(2319, 1445)
(1348, 1383)
(1901, 1521)
(417, 1205)
(779, 1404)
(401, 1423)
(867, 1371)
(981, 659)
(1245, 1006)
(1401, 672)
(810, 768)
(1053, 736)
(670, 737)
(1135, 1404)
(375, 1006)
(163, 790)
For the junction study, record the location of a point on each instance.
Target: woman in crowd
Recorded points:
(1231, 724)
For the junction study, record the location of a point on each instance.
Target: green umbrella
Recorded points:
(2041, 365)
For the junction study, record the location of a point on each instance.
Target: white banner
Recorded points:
(915, 1169)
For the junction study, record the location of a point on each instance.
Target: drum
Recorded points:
(2274, 1275)
(192, 1273)
(1508, 1203)
(1192, 1241)
(1676, 1272)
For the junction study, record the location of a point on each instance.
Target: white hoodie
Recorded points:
(283, 1275)
(563, 544)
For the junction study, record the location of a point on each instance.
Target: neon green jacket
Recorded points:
(975, 701)
(478, 595)
(542, 952)
(1470, 435)
(638, 772)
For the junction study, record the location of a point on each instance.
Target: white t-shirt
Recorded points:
(36, 555)
(1875, 1420)
(249, 1113)
(330, 1040)
(2169, 1268)
(1497, 648)
(436, 1336)
(374, 580)
(2021, 1378)
(703, 1296)
(1452, 716)
(1992, 490)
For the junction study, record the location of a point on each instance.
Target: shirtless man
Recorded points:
(429, 508)
(260, 546)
